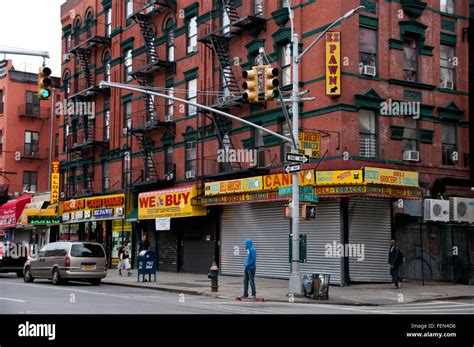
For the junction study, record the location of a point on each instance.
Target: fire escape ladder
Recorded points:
(146, 28)
(223, 127)
(220, 46)
(84, 61)
(151, 172)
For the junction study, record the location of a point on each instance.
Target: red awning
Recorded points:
(11, 211)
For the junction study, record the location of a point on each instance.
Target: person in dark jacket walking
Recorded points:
(395, 259)
(250, 267)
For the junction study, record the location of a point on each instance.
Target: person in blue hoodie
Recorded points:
(250, 267)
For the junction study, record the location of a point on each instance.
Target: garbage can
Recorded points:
(146, 265)
(316, 286)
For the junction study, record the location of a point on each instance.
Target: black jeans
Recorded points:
(394, 272)
(249, 276)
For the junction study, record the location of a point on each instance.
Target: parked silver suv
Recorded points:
(67, 260)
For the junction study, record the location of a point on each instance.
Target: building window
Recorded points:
(367, 134)
(32, 104)
(106, 63)
(410, 135)
(68, 42)
(447, 6)
(127, 170)
(285, 145)
(367, 47)
(192, 96)
(30, 181)
(56, 145)
(127, 114)
(105, 176)
(170, 44)
(1, 142)
(448, 69)
(108, 22)
(170, 105)
(128, 12)
(128, 65)
(192, 34)
(449, 144)
(31, 143)
(65, 136)
(107, 126)
(1, 101)
(258, 7)
(258, 138)
(169, 166)
(191, 154)
(285, 64)
(410, 60)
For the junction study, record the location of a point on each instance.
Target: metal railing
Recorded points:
(32, 151)
(95, 34)
(86, 136)
(146, 64)
(33, 111)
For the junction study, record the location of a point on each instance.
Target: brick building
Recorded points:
(25, 126)
(410, 51)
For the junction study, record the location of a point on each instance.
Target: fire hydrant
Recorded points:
(213, 275)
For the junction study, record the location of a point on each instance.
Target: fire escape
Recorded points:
(219, 40)
(85, 137)
(147, 120)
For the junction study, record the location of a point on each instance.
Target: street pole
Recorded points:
(51, 138)
(295, 286)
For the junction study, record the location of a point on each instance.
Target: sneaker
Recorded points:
(252, 297)
(129, 274)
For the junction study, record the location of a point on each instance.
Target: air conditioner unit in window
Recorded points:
(190, 174)
(124, 131)
(447, 84)
(66, 57)
(194, 49)
(461, 210)
(436, 210)
(411, 156)
(369, 70)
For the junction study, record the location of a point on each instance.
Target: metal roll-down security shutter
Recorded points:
(266, 226)
(370, 225)
(321, 232)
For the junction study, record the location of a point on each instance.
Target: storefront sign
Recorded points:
(94, 208)
(172, 203)
(233, 186)
(310, 144)
(390, 177)
(344, 177)
(395, 191)
(162, 223)
(333, 63)
(340, 190)
(44, 220)
(121, 225)
(244, 197)
(274, 182)
(55, 176)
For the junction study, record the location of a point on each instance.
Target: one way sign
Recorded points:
(297, 158)
(292, 168)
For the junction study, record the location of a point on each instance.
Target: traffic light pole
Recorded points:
(295, 286)
(51, 137)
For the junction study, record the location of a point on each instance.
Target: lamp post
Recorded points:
(295, 285)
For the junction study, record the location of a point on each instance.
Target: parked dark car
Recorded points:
(13, 257)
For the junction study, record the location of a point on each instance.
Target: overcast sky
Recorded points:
(32, 24)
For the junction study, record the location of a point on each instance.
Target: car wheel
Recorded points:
(28, 278)
(56, 277)
(95, 281)
(19, 274)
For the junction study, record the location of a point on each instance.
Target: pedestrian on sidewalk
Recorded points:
(395, 259)
(124, 257)
(250, 267)
(144, 244)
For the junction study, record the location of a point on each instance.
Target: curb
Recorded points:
(315, 302)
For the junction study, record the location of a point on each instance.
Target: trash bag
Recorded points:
(308, 286)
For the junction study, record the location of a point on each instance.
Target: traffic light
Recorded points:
(250, 85)
(44, 83)
(309, 211)
(271, 83)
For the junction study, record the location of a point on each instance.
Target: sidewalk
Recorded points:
(276, 290)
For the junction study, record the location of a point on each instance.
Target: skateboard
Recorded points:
(240, 298)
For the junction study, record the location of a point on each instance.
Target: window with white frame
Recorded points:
(107, 126)
(258, 7)
(127, 114)
(192, 34)
(128, 65)
(191, 155)
(192, 96)
(170, 105)
(285, 64)
(410, 60)
(447, 66)
(410, 135)
(30, 181)
(449, 144)
(447, 6)
(105, 176)
(367, 47)
(367, 134)
(170, 44)
(108, 22)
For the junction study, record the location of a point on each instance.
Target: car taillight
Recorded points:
(67, 262)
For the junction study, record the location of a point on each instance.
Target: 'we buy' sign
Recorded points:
(333, 63)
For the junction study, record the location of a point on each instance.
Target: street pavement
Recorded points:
(41, 297)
